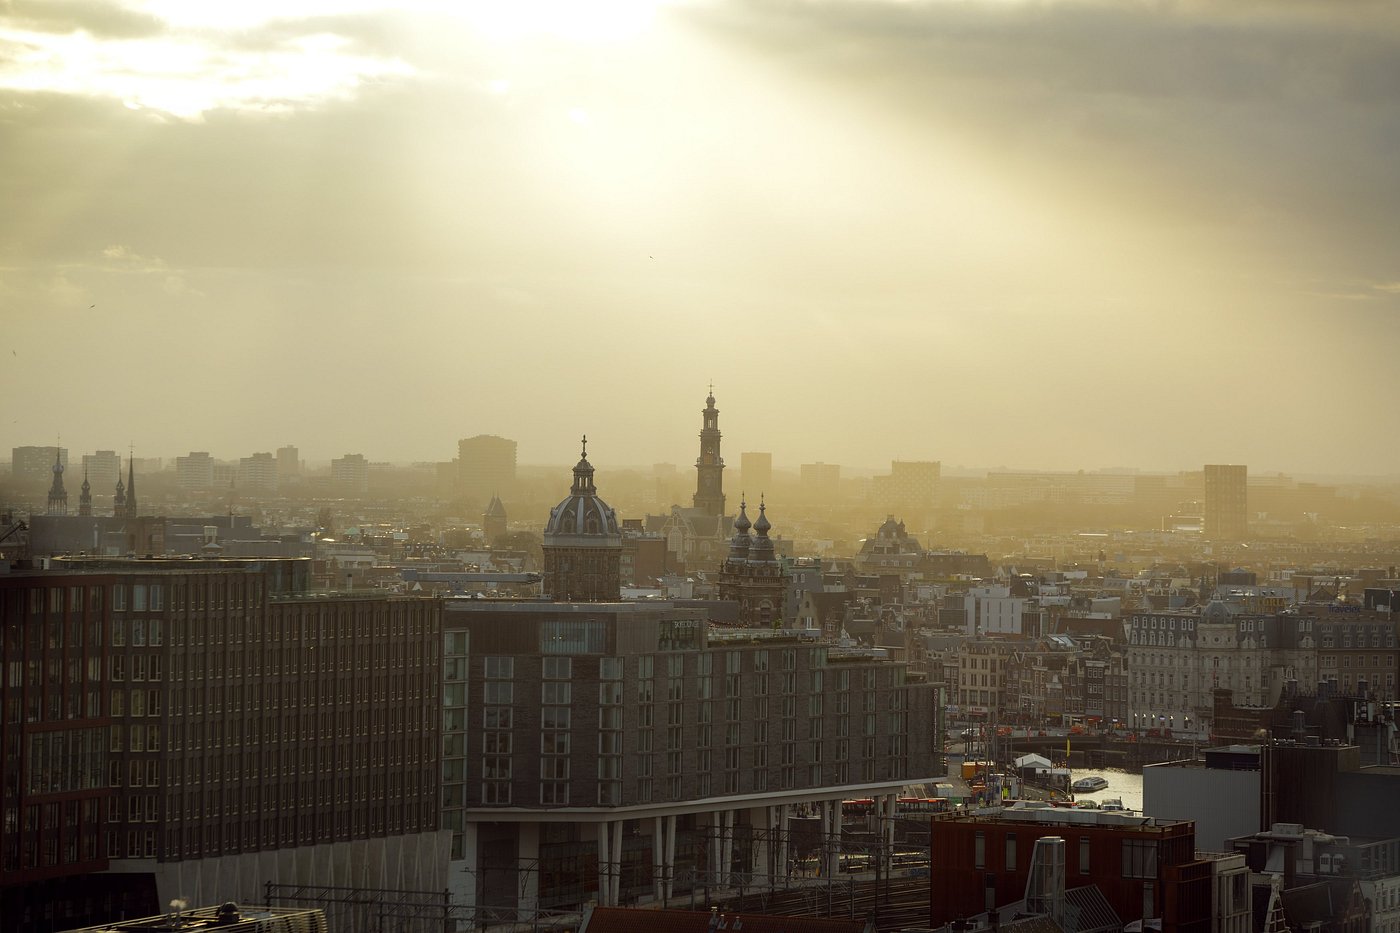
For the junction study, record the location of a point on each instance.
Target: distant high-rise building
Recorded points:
(35, 464)
(709, 466)
(1227, 501)
(195, 471)
(350, 474)
(911, 486)
(258, 473)
(820, 480)
(102, 469)
(288, 462)
(755, 472)
(486, 466)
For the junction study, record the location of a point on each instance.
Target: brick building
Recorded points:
(599, 750)
(200, 727)
(1146, 868)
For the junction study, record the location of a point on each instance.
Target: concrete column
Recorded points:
(714, 829)
(604, 863)
(527, 864)
(669, 862)
(616, 878)
(781, 825)
(471, 857)
(831, 833)
(887, 833)
(658, 858)
(761, 851)
(726, 848)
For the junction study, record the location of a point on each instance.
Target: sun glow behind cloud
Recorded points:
(186, 76)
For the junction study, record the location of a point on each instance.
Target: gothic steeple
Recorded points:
(58, 496)
(709, 466)
(85, 496)
(130, 486)
(119, 499)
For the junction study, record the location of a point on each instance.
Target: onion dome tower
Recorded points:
(583, 543)
(85, 496)
(58, 496)
(741, 542)
(753, 576)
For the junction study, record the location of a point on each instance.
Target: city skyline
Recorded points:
(1046, 236)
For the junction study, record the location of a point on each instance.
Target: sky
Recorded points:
(1060, 234)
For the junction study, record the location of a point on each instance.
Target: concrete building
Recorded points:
(195, 470)
(350, 474)
(1226, 502)
(288, 462)
(1218, 791)
(910, 488)
(34, 465)
(819, 481)
(628, 750)
(486, 466)
(258, 474)
(755, 472)
(103, 470)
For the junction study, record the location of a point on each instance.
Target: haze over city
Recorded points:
(1054, 235)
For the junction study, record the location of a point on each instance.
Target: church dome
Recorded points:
(583, 514)
(742, 540)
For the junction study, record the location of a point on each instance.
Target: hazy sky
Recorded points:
(1052, 234)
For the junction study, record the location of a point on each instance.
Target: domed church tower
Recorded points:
(583, 543)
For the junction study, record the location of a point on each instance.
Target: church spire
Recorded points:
(85, 496)
(58, 496)
(709, 466)
(130, 485)
(119, 499)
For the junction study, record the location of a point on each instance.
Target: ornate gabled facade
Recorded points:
(583, 543)
(752, 575)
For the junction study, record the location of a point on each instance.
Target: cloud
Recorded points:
(181, 72)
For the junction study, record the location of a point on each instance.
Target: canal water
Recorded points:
(1122, 785)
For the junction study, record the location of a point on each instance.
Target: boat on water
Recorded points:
(1089, 784)
(1112, 803)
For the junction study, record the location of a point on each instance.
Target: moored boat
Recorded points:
(1089, 784)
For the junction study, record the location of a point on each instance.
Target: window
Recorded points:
(555, 693)
(500, 668)
(1010, 851)
(1139, 858)
(979, 850)
(1084, 855)
(557, 668)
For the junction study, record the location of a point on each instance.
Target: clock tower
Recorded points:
(709, 466)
